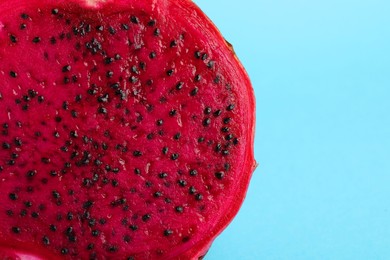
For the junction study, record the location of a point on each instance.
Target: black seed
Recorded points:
(134, 19)
(217, 113)
(112, 248)
(142, 65)
(235, 141)
(24, 16)
(95, 233)
(168, 232)
(193, 172)
(126, 238)
(163, 175)
(36, 39)
(133, 79)
(109, 74)
(54, 11)
(137, 153)
(230, 107)
(31, 173)
(179, 209)
(197, 54)
(170, 73)
(157, 194)
(198, 196)
(13, 196)
(211, 64)
(204, 56)
(219, 175)
(133, 227)
(25, 107)
(207, 110)
(174, 156)
(65, 105)
(111, 30)
(55, 194)
(225, 152)
(137, 171)
(23, 213)
(64, 251)
(11, 162)
(23, 26)
(103, 98)
(182, 183)
(53, 227)
(102, 110)
(173, 112)
(90, 246)
(206, 122)
(179, 85)
(218, 147)
(115, 85)
(125, 26)
(6, 145)
(45, 160)
(92, 222)
(73, 134)
(108, 60)
(192, 190)
(152, 23)
(13, 38)
(66, 68)
(35, 214)
(16, 230)
(194, 91)
(227, 120)
(225, 129)
(197, 78)
(146, 217)
(165, 150)
(173, 43)
(69, 216)
(167, 200)
(227, 166)
(46, 240)
(99, 28)
(13, 74)
(87, 204)
(229, 137)
(159, 122)
(152, 55)
(156, 32)
(217, 79)
(200, 139)
(177, 136)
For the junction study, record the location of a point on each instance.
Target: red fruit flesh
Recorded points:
(126, 130)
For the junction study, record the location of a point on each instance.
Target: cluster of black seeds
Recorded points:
(57, 132)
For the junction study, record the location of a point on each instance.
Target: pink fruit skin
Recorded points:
(223, 213)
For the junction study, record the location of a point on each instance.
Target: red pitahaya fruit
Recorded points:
(126, 130)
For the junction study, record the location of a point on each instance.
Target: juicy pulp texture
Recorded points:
(126, 130)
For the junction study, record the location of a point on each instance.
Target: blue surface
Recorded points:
(321, 73)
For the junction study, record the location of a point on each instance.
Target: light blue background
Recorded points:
(321, 73)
